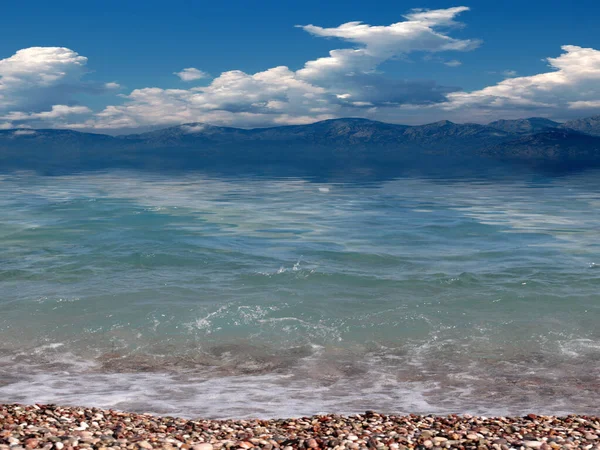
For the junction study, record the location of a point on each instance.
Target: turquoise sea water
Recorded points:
(218, 297)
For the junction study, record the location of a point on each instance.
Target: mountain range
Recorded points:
(331, 144)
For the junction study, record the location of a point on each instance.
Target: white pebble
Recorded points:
(204, 446)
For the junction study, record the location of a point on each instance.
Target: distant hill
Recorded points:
(337, 143)
(451, 138)
(590, 125)
(325, 132)
(524, 126)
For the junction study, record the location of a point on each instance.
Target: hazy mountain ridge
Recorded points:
(524, 126)
(334, 143)
(588, 125)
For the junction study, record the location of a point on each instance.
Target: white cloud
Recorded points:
(343, 83)
(233, 97)
(57, 111)
(191, 74)
(39, 85)
(380, 43)
(585, 104)
(453, 63)
(36, 82)
(437, 17)
(574, 78)
(39, 66)
(38, 76)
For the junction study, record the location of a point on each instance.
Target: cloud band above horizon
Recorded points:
(42, 86)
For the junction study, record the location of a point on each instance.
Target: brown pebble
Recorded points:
(31, 443)
(50, 427)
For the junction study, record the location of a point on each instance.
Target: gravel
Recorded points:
(56, 427)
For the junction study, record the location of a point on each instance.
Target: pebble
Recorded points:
(202, 447)
(64, 428)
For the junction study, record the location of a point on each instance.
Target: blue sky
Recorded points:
(118, 63)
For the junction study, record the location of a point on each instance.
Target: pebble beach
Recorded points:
(64, 428)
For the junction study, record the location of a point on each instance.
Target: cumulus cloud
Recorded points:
(40, 66)
(573, 81)
(434, 17)
(273, 96)
(38, 76)
(191, 74)
(344, 83)
(585, 104)
(376, 44)
(39, 85)
(57, 111)
(37, 82)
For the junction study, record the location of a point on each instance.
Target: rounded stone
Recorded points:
(311, 443)
(204, 446)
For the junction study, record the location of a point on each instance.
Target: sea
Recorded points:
(217, 296)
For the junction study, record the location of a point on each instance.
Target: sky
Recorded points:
(115, 66)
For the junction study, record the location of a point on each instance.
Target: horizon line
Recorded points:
(131, 131)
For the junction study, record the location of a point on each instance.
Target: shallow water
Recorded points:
(191, 295)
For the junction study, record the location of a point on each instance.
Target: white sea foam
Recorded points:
(265, 396)
(274, 395)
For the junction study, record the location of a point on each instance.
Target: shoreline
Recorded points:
(56, 427)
